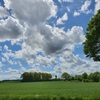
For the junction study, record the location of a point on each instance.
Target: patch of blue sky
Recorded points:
(81, 20)
(92, 6)
(40, 54)
(79, 51)
(1, 3)
(14, 47)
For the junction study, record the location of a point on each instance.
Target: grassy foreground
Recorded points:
(50, 91)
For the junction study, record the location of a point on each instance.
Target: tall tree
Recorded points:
(78, 77)
(84, 75)
(27, 76)
(92, 42)
(95, 77)
(66, 76)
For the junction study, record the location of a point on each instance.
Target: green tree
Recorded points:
(92, 42)
(27, 76)
(84, 75)
(95, 77)
(36, 76)
(78, 77)
(46, 76)
(55, 76)
(66, 76)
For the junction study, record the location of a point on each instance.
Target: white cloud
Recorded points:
(25, 53)
(77, 34)
(68, 9)
(62, 19)
(85, 7)
(10, 29)
(97, 6)
(3, 59)
(65, 1)
(6, 47)
(7, 3)
(10, 74)
(11, 62)
(1, 64)
(14, 28)
(76, 13)
(3, 12)
(53, 7)
(44, 41)
(46, 36)
(23, 69)
(7, 54)
(35, 15)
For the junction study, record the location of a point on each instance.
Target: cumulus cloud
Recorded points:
(1, 64)
(6, 47)
(62, 19)
(3, 12)
(44, 38)
(97, 6)
(34, 15)
(10, 29)
(65, 1)
(7, 3)
(10, 74)
(14, 27)
(76, 13)
(85, 7)
(3, 59)
(77, 34)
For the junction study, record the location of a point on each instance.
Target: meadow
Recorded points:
(49, 91)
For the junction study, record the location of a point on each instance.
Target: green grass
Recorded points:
(49, 91)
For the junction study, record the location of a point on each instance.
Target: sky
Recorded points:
(45, 36)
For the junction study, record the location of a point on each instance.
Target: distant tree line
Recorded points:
(35, 76)
(92, 77)
(39, 76)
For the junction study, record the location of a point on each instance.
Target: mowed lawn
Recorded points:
(65, 89)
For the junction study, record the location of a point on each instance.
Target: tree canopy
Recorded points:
(84, 75)
(35, 76)
(92, 42)
(65, 76)
(39, 76)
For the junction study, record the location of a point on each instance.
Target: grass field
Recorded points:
(49, 91)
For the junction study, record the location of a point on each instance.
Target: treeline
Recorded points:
(39, 76)
(92, 77)
(35, 76)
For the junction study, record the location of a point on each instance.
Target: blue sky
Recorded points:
(45, 36)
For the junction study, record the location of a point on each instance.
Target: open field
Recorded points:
(49, 91)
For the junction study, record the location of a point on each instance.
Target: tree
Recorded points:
(78, 77)
(84, 75)
(27, 76)
(95, 77)
(92, 42)
(36, 76)
(55, 76)
(65, 76)
(46, 76)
